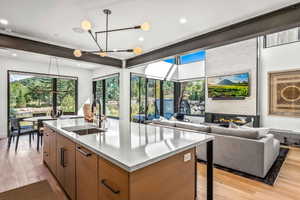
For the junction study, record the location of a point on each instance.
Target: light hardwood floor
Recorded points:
(25, 167)
(228, 186)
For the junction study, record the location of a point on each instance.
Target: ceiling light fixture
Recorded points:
(4, 22)
(14, 55)
(103, 52)
(182, 20)
(77, 53)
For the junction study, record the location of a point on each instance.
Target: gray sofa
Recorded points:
(245, 150)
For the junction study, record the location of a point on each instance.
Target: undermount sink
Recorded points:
(84, 130)
(88, 131)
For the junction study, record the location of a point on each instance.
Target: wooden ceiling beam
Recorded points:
(275, 21)
(13, 42)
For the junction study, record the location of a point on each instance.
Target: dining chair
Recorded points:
(16, 130)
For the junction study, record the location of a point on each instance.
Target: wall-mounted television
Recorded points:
(235, 86)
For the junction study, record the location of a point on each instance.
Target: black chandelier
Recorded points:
(87, 26)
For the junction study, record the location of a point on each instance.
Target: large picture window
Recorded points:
(106, 91)
(33, 94)
(192, 97)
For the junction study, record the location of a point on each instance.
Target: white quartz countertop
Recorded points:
(131, 146)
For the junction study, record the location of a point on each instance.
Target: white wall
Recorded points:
(231, 59)
(17, 64)
(104, 71)
(284, 57)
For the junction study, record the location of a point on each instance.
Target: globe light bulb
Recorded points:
(103, 54)
(137, 50)
(77, 53)
(145, 26)
(86, 25)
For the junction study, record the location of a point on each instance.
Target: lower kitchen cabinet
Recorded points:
(52, 152)
(86, 174)
(65, 165)
(113, 181)
(46, 147)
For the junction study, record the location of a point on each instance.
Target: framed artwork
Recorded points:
(284, 93)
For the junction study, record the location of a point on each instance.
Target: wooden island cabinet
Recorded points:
(86, 175)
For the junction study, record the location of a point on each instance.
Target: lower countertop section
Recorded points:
(131, 146)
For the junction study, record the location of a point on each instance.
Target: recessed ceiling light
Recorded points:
(141, 39)
(78, 64)
(4, 22)
(14, 54)
(182, 20)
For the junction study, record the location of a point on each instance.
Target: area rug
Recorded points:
(36, 191)
(271, 176)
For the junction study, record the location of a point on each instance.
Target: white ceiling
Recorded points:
(52, 21)
(44, 59)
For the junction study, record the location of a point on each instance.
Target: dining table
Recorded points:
(39, 122)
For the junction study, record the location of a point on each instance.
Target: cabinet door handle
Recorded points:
(62, 157)
(103, 181)
(87, 154)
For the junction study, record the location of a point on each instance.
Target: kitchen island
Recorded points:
(125, 161)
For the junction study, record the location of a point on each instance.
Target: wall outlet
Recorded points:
(187, 157)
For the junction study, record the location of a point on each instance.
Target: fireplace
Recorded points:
(225, 119)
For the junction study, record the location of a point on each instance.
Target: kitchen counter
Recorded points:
(131, 146)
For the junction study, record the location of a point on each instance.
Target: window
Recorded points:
(112, 97)
(135, 98)
(146, 97)
(99, 97)
(168, 94)
(106, 91)
(283, 37)
(33, 94)
(138, 98)
(192, 97)
(151, 99)
(66, 96)
(157, 98)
